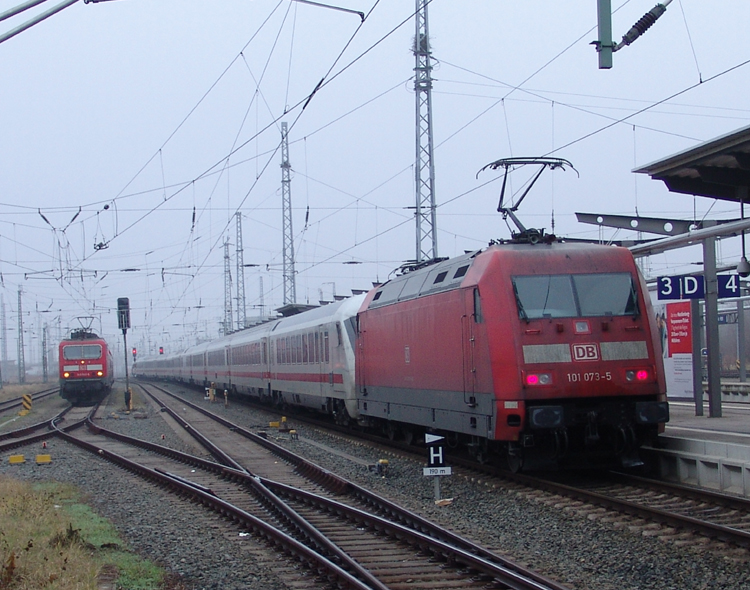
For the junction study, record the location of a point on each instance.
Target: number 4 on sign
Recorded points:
(729, 286)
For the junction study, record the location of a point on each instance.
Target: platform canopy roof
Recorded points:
(719, 168)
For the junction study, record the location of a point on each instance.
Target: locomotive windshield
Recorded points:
(579, 295)
(78, 352)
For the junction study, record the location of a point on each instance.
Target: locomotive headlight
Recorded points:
(100, 373)
(66, 374)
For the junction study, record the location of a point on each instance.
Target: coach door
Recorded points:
(228, 365)
(469, 320)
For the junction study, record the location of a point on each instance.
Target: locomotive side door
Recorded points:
(471, 316)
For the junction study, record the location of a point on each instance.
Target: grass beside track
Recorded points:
(50, 539)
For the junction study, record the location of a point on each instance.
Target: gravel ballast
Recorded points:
(574, 549)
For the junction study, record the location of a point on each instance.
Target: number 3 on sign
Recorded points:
(669, 288)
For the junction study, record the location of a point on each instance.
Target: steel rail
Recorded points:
(717, 531)
(246, 478)
(424, 530)
(312, 558)
(19, 438)
(319, 475)
(17, 402)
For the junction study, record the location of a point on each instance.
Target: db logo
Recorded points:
(585, 352)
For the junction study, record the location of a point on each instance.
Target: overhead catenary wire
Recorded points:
(193, 183)
(33, 21)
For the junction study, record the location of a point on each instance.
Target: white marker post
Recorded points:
(436, 461)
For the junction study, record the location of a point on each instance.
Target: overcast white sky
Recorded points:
(138, 112)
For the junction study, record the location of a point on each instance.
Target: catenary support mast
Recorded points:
(424, 167)
(290, 288)
(228, 324)
(21, 361)
(241, 306)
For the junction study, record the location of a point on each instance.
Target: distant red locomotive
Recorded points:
(86, 368)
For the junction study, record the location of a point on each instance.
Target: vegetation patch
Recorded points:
(49, 539)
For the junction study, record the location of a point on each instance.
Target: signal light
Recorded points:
(161, 350)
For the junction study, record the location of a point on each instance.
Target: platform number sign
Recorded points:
(682, 287)
(729, 286)
(693, 287)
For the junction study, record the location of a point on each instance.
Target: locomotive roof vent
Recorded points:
(525, 235)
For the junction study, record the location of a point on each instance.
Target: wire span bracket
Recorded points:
(357, 12)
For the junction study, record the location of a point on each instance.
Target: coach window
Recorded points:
(339, 339)
(478, 318)
(325, 347)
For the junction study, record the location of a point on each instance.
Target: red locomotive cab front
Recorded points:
(588, 379)
(82, 360)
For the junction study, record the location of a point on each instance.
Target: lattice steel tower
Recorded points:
(424, 169)
(228, 324)
(21, 361)
(241, 307)
(290, 287)
(45, 371)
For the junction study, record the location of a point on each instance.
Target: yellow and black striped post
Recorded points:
(26, 402)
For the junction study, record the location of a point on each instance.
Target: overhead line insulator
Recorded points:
(643, 25)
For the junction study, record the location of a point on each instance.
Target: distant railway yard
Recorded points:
(221, 497)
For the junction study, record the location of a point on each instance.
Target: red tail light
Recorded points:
(637, 375)
(538, 379)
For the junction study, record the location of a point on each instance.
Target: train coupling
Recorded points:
(592, 430)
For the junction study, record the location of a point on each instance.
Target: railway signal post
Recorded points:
(123, 322)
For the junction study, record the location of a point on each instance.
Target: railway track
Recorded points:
(12, 404)
(394, 546)
(674, 513)
(345, 535)
(678, 511)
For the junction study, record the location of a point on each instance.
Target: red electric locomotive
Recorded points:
(532, 351)
(542, 353)
(86, 368)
